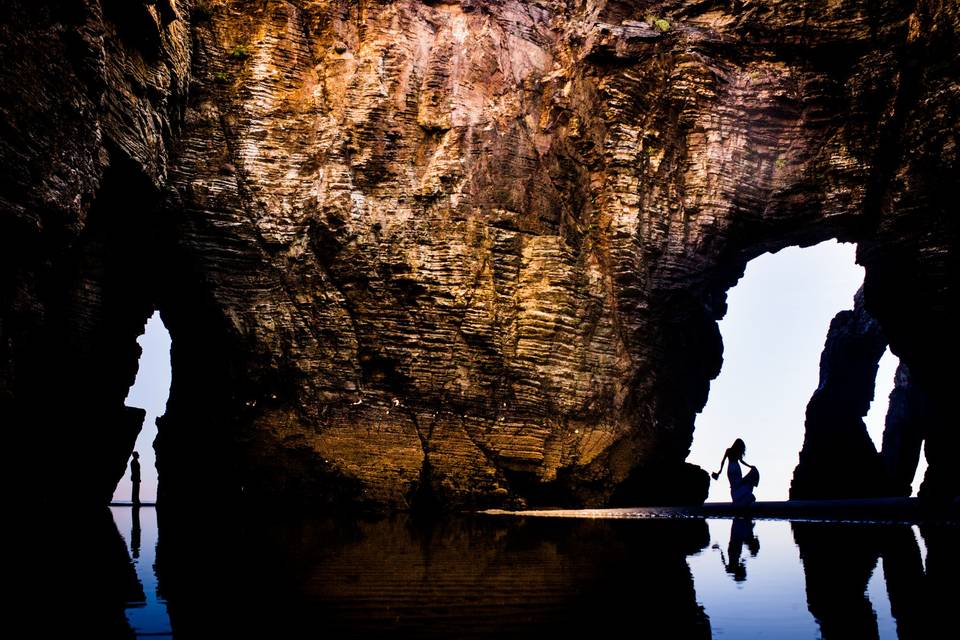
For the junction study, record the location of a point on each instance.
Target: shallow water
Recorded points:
(471, 576)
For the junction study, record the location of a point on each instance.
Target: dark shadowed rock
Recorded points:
(90, 99)
(838, 459)
(74, 561)
(908, 420)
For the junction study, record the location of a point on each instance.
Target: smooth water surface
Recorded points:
(473, 576)
(146, 615)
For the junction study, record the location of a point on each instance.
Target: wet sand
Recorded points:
(859, 510)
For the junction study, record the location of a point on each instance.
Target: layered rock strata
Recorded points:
(458, 253)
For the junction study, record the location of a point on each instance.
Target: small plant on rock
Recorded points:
(239, 52)
(658, 23)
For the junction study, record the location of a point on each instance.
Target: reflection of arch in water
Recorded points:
(838, 560)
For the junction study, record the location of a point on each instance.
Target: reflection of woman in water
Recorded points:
(741, 487)
(741, 533)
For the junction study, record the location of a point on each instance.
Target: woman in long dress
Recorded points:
(741, 487)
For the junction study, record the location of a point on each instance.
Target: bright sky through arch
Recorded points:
(149, 392)
(776, 324)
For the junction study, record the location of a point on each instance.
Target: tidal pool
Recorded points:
(484, 576)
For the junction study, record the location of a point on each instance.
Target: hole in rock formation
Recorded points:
(149, 392)
(886, 380)
(773, 334)
(885, 419)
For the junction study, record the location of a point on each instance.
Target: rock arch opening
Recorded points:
(804, 372)
(149, 392)
(773, 334)
(565, 268)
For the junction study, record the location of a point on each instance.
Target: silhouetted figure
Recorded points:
(135, 479)
(741, 533)
(741, 487)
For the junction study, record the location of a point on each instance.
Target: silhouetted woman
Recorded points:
(741, 487)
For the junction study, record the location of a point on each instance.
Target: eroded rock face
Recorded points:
(470, 253)
(838, 459)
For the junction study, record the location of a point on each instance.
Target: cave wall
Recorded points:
(910, 257)
(471, 253)
(91, 99)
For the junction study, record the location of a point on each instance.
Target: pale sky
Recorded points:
(149, 392)
(773, 333)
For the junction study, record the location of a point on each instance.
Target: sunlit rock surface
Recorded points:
(454, 253)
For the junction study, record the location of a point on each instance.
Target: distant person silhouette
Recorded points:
(135, 479)
(741, 487)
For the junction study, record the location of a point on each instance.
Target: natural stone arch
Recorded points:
(477, 251)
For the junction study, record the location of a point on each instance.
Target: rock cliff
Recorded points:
(838, 459)
(452, 253)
